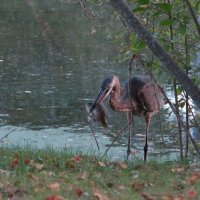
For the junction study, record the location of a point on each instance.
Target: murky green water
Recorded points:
(52, 61)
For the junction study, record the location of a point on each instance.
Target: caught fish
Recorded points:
(97, 115)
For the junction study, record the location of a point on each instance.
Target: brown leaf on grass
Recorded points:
(39, 166)
(54, 197)
(100, 196)
(121, 187)
(178, 169)
(14, 163)
(101, 164)
(78, 191)
(27, 161)
(194, 178)
(179, 197)
(123, 165)
(170, 197)
(191, 193)
(81, 176)
(147, 196)
(54, 186)
(138, 186)
(77, 159)
(33, 164)
(33, 177)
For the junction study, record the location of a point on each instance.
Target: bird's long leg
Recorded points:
(119, 133)
(130, 119)
(147, 120)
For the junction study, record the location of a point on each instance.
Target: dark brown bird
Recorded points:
(145, 99)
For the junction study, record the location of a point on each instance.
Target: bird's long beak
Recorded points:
(100, 97)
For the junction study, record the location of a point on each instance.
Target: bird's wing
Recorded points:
(150, 98)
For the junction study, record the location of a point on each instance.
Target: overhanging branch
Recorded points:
(135, 25)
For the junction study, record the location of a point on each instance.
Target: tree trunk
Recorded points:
(162, 55)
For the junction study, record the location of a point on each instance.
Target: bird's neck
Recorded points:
(115, 102)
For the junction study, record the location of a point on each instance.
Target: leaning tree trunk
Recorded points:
(135, 25)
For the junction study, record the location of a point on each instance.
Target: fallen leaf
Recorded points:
(77, 159)
(180, 197)
(167, 197)
(81, 176)
(14, 162)
(33, 164)
(147, 196)
(121, 187)
(194, 178)
(33, 177)
(28, 161)
(134, 174)
(178, 169)
(54, 186)
(170, 197)
(39, 166)
(123, 165)
(101, 164)
(191, 193)
(138, 186)
(100, 196)
(47, 173)
(54, 197)
(78, 192)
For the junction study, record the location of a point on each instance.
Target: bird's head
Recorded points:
(106, 88)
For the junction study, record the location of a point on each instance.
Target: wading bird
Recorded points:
(145, 99)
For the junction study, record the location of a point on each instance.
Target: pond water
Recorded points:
(52, 62)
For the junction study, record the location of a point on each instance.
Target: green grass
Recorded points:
(38, 174)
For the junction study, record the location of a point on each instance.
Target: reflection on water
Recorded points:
(51, 63)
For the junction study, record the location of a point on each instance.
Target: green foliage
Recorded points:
(166, 22)
(172, 24)
(182, 29)
(136, 44)
(166, 7)
(143, 2)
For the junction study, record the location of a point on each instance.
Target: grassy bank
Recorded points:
(53, 175)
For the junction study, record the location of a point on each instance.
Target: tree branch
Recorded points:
(193, 15)
(155, 47)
